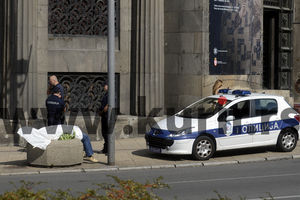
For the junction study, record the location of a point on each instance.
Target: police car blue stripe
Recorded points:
(237, 130)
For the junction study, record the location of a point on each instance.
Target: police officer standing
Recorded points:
(54, 84)
(55, 108)
(104, 117)
(57, 89)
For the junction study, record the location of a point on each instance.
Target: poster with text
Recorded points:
(235, 41)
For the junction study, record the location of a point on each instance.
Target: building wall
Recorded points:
(296, 54)
(186, 50)
(187, 74)
(89, 54)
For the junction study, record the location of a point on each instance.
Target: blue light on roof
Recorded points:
(224, 91)
(241, 92)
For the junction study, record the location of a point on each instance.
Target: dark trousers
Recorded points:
(54, 119)
(104, 123)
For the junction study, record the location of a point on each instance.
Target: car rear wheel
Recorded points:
(203, 148)
(287, 140)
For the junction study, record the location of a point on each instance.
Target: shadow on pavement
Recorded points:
(148, 154)
(247, 151)
(15, 163)
(227, 153)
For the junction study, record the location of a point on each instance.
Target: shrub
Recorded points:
(121, 190)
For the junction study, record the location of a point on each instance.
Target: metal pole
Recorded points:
(111, 82)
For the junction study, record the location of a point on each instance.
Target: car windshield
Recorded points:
(204, 108)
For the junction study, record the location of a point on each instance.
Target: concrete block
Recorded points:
(171, 22)
(58, 153)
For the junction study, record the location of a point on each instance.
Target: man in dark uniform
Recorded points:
(55, 108)
(57, 89)
(54, 84)
(104, 117)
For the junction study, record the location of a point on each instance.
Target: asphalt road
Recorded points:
(253, 180)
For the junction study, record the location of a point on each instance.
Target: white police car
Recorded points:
(233, 119)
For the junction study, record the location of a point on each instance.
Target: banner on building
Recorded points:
(235, 37)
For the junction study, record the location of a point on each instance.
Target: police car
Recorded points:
(233, 119)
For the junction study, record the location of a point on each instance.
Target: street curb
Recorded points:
(61, 171)
(133, 168)
(189, 165)
(195, 164)
(101, 169)
(20, 173)
(162, 166)
(272, 158)
(220, 163)
(251, 160)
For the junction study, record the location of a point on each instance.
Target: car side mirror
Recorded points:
(230, 118)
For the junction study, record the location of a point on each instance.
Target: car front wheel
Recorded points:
(287, 140)
(203, 148)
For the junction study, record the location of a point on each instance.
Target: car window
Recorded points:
(239, 110)
(203, 109)
(265, 107)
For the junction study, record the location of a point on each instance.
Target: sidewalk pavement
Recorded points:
(132, 154)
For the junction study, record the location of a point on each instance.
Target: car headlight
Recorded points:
(181, 132)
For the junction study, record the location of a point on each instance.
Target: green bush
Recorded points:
(120, 190)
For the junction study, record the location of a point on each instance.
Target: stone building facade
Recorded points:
(163, 56)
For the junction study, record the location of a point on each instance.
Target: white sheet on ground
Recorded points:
(42, 137)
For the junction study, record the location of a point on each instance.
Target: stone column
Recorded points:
(25, 43)
(149, 56)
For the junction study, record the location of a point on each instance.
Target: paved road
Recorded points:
(252, 180)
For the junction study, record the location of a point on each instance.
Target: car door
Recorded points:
(265, 121)
(236, 130)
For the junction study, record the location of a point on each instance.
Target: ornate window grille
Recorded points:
(285, 10)
(79, 17)
(84, 91)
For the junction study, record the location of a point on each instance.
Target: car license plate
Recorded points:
(155, 149)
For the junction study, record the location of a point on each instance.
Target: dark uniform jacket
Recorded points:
(55, 108)
(104, 102)
(58, 88)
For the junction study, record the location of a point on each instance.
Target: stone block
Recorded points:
(58, 153)
(42, 16)
(172, 43)
(190, 21)
(186, 4)
(172, 62)
(187, 41)
(171, 22)
(191, 64)
(171, 5)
